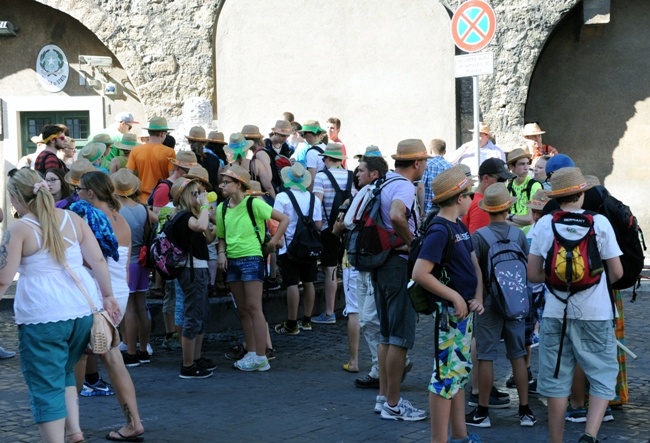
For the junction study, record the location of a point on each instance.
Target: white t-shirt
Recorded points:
(593, 303)
(313, 158)
(283, 204)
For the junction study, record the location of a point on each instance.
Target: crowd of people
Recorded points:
(258, 213)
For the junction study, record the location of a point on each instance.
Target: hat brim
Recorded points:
(36, 139)
(158, 129)
(124, 147)
(565, 193)
(526, 134)
(482, 132)
(468, 188)
(519, 157)
(284, 173)
(227, 149)
(205, 182)
(501, 208)
(286, 132)
(196, 139)
(336, 157)
(419, 157)
(219, 142)
(233, 176)
(536, 205)
(186, 165)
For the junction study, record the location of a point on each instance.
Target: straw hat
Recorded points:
(93, 151)
(282, 127)
(411, 149)
(532, 129)
(295, 176)
(539, 200)
(125, 182)
(77, 169)
(158, 124)
(255, 190)
(197, 134)
(568, 181)
(238, 173)
(251, 131)
(516, 154)
(199, 173)
(335, 151)
(238, 145)
(312, 126)
(450, 183)
(178, 187)
(103, 138)
(483, 129)
(184, 159)
(129, 141)
(371, 151)
(37, 139)
(217, 137)
(496, 198)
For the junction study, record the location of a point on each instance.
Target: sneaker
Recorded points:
(367, 382)
(576, 415)
(473, 419)
(282, 329)
(494, 402)
(535, 340)
(608, 415)
(144, 357)
(172, 344)
(130, 360)
(324, 319)
(272, 284)
(194, 372)
(149, 349)
(205, 363)
(527, 419)
(499, 394)
(532, 386)
(6, 354)
(588, 438)
(270, 354)
(407, 368)
(471, 438)
(510, 383)
(123, 347)
(250, 365)
(98, 389)
(236, 353)
(404, 410)
(379, 403)
(304, 325)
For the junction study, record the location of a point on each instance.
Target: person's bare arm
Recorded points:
(262, 166)
(420, 197)
(536, 269)
(614, 269)
(399, 221)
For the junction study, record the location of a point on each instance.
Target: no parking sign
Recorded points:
(473, 25)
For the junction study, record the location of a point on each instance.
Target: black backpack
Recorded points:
(528, 189)
(340, 195)
(306, 244)
(150, 198)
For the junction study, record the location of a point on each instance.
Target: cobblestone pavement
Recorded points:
(306, 396)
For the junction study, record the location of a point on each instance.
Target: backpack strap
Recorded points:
(335, 184)
(249, 208)
(529, 188)
(296, 207)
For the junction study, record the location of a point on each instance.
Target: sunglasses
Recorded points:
(227, 182)
(499, 179)
(79, 188)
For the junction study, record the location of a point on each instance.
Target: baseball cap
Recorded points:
(125, 117)
(495, 166)
(558, 161)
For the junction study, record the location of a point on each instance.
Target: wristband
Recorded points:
(205, 207)
(221, 252)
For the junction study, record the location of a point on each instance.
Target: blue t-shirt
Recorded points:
(460, 268)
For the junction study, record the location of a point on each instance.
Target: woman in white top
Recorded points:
(46, 246)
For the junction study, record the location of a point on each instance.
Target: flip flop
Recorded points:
(346, 367)
(135, 438)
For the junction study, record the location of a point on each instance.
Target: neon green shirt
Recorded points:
(519, 191)
(239, 233)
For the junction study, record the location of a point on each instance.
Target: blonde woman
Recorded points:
(46, 246)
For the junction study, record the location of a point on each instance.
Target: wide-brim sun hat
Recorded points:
(283, 127)
(539, 200)
(93, 151)
(238, 173)
(251, 131)
(78, 168)
(125, 182)
(335, 151)
(496, 198)
(517, 154)
(217, 137)
(450, 183)
(200, 174)
(568, 181)
(312, 126)
(197, 134)
(158, 124)
(128, 142)
(371, 151)
(184, 159)
(484, 128)
(238, 145)
(103, 138)
(411, 149)
(532, 129)
(178, 187)
(296, 176)
(255, 189)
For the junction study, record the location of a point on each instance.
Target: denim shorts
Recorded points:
(491, 326)
(591, 343)
(245, 269)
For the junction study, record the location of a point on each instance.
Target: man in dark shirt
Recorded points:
(54, 139)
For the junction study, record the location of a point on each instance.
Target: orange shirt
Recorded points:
(151, 161)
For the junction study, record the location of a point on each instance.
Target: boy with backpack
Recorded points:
(332, 186)
(577, 326)
(297, 259)
(523, 186)
(458, 288)
(502, 252)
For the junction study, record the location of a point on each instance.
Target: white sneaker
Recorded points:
(379, 403)
(251, 364)
(403, 411)
(123, 347)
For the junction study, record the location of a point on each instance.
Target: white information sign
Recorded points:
(480, 63)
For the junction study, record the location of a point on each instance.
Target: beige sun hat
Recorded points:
(158, 124)
(282, 127)
(450, 183)
(484, 128)
(199, 173)
(217, 137)
(411, 149)
(238, 173)
(568, 181)
(334, 150)
(184, 159)
(77, 169)
(37, 139)
(197, 134)
(371, 151)
(103, 138)
(496, 198)
(125, 182)
(532, 129)
(539, 200)
(128, 142)
(517, 154)
(93, 151)
(238, 145)
(255, 189)
(296, 176)
(251, 131)
(178, 187)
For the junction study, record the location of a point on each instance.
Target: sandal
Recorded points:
(122, 437)
(70, 440)
(346, 367)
